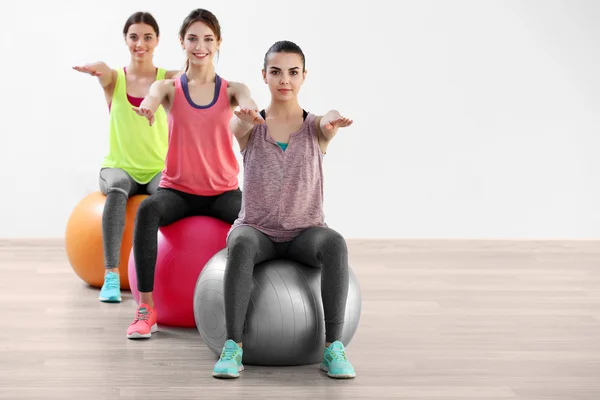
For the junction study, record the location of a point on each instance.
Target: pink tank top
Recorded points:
(283, 190)
(200, 159)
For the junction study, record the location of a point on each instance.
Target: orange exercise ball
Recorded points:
(83, 239)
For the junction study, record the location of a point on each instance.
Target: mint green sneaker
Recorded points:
(230, 363)
(335, 362)
(111, 290)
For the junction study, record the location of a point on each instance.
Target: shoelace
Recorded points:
(339, 355)
(112, 283)
(142, 315)
(227, 354)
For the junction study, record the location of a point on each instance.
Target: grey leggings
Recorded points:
(318, 247)
(118, 186)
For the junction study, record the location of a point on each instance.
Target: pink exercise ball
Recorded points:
(184, 247)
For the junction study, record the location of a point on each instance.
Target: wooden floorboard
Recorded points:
(442, 319)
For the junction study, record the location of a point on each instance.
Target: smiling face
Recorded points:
(141, 39)
(200, 43)
(285, 74)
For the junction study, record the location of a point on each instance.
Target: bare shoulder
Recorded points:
(163, 90)
(236, 87)
(164, 85)
(110, 83)
(114, 74)
(173, 74)
(235, 91)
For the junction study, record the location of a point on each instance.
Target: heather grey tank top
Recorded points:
(283, 190)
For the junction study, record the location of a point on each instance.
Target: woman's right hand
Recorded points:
(145, 112)
(88, 69)
(250, 116)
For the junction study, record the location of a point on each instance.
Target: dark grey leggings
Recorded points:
(166, 207)
(318, 247)
(118, 186)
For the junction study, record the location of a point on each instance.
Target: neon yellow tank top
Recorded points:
(134, 145)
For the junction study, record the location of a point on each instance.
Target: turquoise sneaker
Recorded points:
(230, 363)
(335, 362)
(111, 290)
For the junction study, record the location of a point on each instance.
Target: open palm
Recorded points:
(86, 69)
(250, 116)
(340, 122)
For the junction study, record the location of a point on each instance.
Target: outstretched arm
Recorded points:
(246, 117)
(99, 70)
(157, 94)
(329, 124)
(242, 96)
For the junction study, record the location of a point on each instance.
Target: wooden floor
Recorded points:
(441, 320)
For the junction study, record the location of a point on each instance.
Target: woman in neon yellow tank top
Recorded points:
(137, 151)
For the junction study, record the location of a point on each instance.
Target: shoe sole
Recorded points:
(228, 375)
(137, 335)
(337, 376)
(110, 299)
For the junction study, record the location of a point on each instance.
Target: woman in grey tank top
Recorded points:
(282, 207)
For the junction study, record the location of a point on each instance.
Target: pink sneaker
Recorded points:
(144, 323)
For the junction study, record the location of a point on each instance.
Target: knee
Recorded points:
(334, 239)
(333, 244)
(241, 244)
(232, 206)
(147, 210)
(120, 185)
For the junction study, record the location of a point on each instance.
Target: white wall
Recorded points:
(473, 119)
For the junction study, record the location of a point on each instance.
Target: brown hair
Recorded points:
(204, 16)
(141, 17)
(285, 46)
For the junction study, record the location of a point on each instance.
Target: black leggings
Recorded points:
(165, 207)
(318, 247)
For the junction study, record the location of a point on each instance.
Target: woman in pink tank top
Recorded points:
(201, 171)
(282, 208)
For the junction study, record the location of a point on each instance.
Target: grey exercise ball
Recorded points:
(284, 322)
